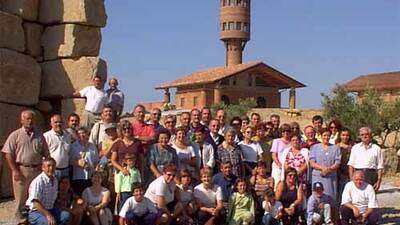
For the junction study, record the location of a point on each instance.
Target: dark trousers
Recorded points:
(133, 219)
(124, 197)
(347, 215)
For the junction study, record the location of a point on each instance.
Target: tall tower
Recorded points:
(234, 28)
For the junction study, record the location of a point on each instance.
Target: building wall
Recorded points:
(188, 99)
(386, 95)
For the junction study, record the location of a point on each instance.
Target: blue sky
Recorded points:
(319, 43)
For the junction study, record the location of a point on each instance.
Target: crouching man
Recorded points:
(42, 194)
(359, 201)
(138, 209)
(319, 206)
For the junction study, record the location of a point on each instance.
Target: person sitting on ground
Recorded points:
(208, 198)
(69, 201)
(319, 206)
(241, 209)
(97, 198)
(186, 198)
(123, 183)
(359, 201)
(164, 194)
(273, 209)
(226, 180)
(291, 194)
(41, 198)
(138, 209)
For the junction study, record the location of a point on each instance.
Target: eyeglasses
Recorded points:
(170, 174)
(235, 124)
(364, 134)
(168, 122)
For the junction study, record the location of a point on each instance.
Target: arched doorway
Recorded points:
(225, 100)
(261, 102)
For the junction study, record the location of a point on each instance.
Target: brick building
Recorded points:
(235, 80)
(387, 85)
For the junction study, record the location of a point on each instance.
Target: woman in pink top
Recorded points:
(278, 145)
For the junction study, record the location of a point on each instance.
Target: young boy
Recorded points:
(226, 180)
(273, 209)
(319, 206)
(138, 209)
(123, 184)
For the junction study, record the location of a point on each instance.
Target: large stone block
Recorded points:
(86, 12)
(20, 77)
(70, 41)
(10, 120)
(72, 105)
(27, 9)
(33, 35)
(11, 32)
(63, 76)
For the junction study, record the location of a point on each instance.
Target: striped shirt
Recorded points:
(43, 189)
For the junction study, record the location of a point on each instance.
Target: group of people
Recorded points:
(205, 170)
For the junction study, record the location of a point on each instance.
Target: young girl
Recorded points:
(185, 197)
(260, 181)
(241, 205)
(67, 200)
(272, 209)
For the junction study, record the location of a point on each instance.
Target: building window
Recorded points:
(238, 25)
(245, 27)
(234, 81)
(250, 80)
(195, 101)
(223, 26)
(231, 25)
(231, 2)
(245, 3)
(223, 2)
(182, 102)
(261, 102)
(225, 100)
(239, 2)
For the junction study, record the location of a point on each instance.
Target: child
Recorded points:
(260, 181)
(186, 198)
(123, 184)
(138, 209)
(272, 209)
(319, 206)
(241, 205)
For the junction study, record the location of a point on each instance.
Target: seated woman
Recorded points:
(67, 200)
(161, 154)
(291, 195)
(186, 198)
(208, 199)
(163, 193)
(97, 198)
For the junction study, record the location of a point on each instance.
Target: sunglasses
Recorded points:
(170, 174)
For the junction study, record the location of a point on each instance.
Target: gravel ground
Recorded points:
(388, 197)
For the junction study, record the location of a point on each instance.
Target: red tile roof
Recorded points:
(217, 73)
(378, 81)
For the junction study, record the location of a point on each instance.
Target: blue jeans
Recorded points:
(269, 220)
(133, 219)
(124, 197)
(62, 217)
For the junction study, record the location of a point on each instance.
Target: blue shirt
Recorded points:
(313, 204)
(226, 185)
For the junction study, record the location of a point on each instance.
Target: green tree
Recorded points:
(239, 109)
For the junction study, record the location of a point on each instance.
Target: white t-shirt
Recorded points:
(362, 198)
(273, 210)
(184, 154)
(59, 147)
(160, 188)
(91, 198)
(139, 208)
(250, 151)
(209, 197)
(95, 99)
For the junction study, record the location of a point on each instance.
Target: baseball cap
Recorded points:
(317, 185)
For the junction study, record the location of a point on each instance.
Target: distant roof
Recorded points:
(217, 73)
(378, 81)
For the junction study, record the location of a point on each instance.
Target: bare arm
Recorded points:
(104, 201)
(351, 171)
(279, 191)
(154, 170)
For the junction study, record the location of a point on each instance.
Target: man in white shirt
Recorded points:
(359, 201)
(96, 98)
(367, 157)
(59, 143)
(42, 195)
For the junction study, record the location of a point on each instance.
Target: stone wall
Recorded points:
(48, 50)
